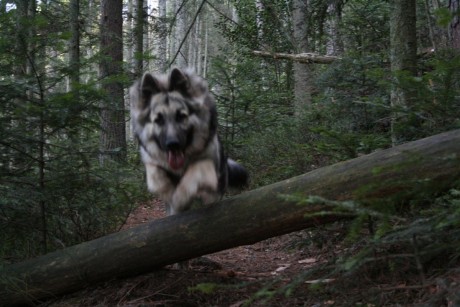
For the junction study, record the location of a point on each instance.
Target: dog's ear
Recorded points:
(178, 81)
(149, 87)
(188, 84)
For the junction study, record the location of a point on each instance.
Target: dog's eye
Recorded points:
(159, 120)
(180, 116)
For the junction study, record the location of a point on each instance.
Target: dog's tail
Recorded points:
(238, 177)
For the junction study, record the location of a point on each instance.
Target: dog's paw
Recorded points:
(180, 202)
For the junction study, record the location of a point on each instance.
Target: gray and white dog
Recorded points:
(174, 118)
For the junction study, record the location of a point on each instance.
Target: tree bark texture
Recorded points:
(113, 131)
(139, 39)
(302, 71)
(334, 44)
(454, 7)
(403, 57)
(74, 46)
(162, 37)
(396, 174)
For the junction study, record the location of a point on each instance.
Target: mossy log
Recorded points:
(427, 165)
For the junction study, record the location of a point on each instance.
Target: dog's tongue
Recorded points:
(176, 159)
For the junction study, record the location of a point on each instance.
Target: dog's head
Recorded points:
(173, 116)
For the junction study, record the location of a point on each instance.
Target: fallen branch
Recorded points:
(428, 165)
(301, 57)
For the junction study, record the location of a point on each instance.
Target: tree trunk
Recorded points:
(74, 47)
(148, 39)
(181, 51)
(454, 7)
(259, 22)
(403, 57)
(163, 37)
(129, 28)
(204, 69)
(139, 39)
(113, 131)
(302, 71)
(334, 44)
(396, 174)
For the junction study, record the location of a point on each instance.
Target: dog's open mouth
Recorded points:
(176, 159)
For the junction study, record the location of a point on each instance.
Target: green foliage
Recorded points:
(54, 192)
(245, 97)
(350, 116)
(412, 246)
(279, 153)
(443, 16)
(365, 26)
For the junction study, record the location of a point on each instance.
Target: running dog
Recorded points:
(174, 117)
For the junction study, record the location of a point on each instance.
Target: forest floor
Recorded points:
(290, 270)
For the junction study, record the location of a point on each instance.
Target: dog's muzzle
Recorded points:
(176, 157)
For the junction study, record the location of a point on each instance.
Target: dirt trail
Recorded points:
(271, 257)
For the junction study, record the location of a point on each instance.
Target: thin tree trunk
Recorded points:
(163, 37)
(334, 44)
(113, 130)
(302, 72)
(181, 30)
(147, 38)
(403, 56)
(91, 12)
(39, 99)
(173, 39)
(139, 39)
(259, 21)
(396, 174)
(454, 7)
(74, 46)
(199, 38)
(130, 37)
(205, 56)
(430, 25)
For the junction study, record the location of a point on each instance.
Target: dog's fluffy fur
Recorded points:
(174, 118)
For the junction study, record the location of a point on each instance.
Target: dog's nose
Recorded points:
(172, 143)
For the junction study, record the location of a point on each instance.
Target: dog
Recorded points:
(174, 118)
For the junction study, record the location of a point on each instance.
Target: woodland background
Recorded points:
(69, 167)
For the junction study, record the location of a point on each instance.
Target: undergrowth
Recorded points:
(375, 259)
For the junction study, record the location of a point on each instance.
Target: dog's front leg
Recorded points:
(199, 180)
(159, 183)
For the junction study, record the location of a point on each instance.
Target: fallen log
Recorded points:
(394, 174)
(300, 57)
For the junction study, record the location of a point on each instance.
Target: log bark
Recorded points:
(307, 58)
(396, 174)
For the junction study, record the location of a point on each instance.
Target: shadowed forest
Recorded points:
(299, 85)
